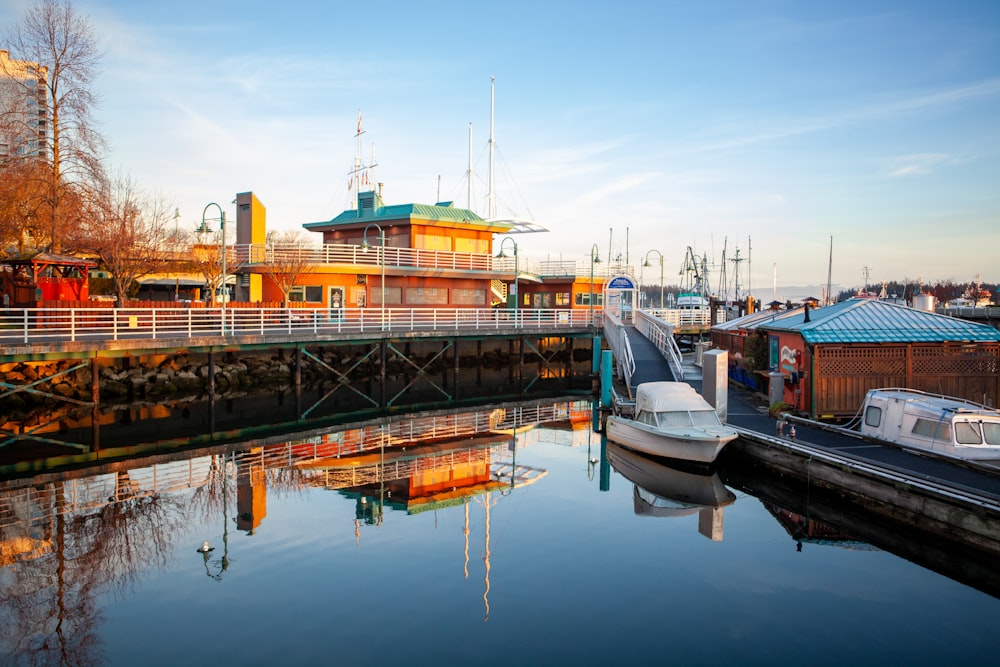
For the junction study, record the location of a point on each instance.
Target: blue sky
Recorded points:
(765, 126)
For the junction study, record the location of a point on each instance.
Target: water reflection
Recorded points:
(68, 538)
(665, 489)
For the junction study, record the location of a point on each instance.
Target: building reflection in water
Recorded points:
(67, 538)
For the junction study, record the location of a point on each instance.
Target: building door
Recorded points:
(336, 301)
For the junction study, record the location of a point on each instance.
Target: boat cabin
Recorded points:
(932, 422)
(673, 405)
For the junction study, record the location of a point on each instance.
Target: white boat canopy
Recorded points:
(668, 397)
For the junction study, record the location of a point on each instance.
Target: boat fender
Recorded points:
(791, 432)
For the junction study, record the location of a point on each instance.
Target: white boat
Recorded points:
(671, 420)
(932, 422)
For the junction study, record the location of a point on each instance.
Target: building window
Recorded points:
(425, 296)
(562, 299)
(307, 293)
(393, 295)
(469, 297)
(583, 299)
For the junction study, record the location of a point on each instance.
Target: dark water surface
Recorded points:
(443, 560)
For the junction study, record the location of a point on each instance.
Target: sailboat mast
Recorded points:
(468, 173)
(490, 198)
(357, 158)
(829, 275)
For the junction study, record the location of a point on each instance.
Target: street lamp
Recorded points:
(595, 258)
(222, 228)
(646, 263)
(364, 247)
(500, 255)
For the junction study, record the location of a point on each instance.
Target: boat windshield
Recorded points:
(968, 433)
(673, 419)
(991, 431)
(685, 419)
(705, 418)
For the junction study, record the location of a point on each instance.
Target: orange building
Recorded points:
(435, 256)
(431, 256)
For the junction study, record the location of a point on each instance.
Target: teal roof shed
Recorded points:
(863, 320)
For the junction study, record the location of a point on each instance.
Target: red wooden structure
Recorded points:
(26, 281)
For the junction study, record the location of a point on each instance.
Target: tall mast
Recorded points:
(490, 197)
(829, 275)
(468, 173)
(357, 159)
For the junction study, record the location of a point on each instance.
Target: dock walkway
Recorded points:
(749, 412)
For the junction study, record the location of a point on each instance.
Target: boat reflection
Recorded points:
(663, 489)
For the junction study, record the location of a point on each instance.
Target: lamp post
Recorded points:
(595, 258)
(646, 263)
(222, 228)
(381, 242)
(517, 293)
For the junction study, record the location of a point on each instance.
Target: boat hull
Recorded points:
(685, 444)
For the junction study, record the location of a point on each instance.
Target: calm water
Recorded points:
(442, 562)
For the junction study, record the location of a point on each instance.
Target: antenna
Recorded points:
(357, 161)
(468, 173)
(491, 211)
(829, 275)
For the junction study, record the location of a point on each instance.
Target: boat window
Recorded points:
(705, 418)
(967, 433)
(674, 419)
(646, 418)
(873, 416)
(991, 433)
(931, 428)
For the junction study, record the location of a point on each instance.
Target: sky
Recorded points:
(775, 130)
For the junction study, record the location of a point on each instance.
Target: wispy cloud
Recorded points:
(871, 111)
(918, 164)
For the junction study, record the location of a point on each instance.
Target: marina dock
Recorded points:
(949, 502)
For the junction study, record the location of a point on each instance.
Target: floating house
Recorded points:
(832, 356)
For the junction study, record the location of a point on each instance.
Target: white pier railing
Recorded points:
(40, 325)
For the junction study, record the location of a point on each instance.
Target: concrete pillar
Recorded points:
(715, 381)
(775, 388)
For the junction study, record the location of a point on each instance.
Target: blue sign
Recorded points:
(621, 282)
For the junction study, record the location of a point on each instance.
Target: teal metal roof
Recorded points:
(873, 321)
(762, 318)
(433, 213)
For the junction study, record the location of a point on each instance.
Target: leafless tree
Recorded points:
(128, 230)
(206, 256)
(61, 45)
(288, 256)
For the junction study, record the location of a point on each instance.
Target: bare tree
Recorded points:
(288, 256)
(60, 44)
(206, 256)
(128, 230)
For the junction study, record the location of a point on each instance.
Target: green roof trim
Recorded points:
(863, 320)
(431, 213)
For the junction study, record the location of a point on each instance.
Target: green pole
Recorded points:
(607, 361)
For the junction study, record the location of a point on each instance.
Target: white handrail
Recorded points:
(661, 334)
(41, 325)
